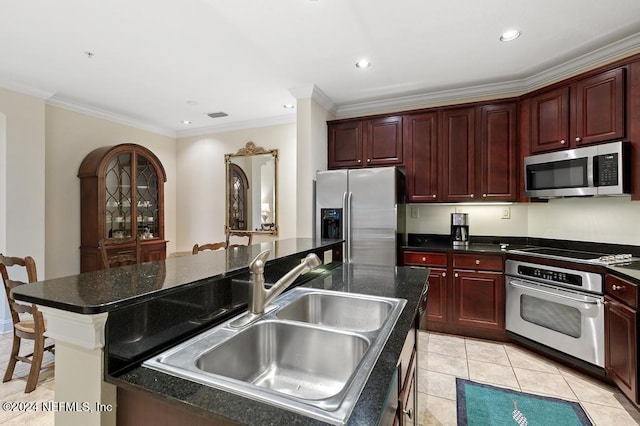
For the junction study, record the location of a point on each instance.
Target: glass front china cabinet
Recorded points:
(121, 196)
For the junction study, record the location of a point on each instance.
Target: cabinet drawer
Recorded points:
(424, 258)
(624, 290)
(478, 261)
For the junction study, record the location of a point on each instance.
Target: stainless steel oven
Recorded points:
(560, 308)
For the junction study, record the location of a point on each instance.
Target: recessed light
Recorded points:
(363, 63)
(510, 35)
(186, 122)
(288, 106)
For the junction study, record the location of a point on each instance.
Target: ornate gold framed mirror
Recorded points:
(251, 198)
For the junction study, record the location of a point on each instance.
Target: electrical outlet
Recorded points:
(415, 212)
(506, 213)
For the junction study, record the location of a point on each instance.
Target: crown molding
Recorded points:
(317, 95)
(71, 105)
(239, 125)
(25, 89)
(607, 54)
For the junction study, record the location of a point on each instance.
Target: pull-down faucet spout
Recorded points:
(260, 297)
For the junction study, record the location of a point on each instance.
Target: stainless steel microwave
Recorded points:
(589, 171)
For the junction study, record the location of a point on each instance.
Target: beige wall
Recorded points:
(70, 137)
(201, 173)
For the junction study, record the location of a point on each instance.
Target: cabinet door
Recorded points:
(437, 298)
(420, 134)
(600, 108)
(621, 346)
(458, 142)
(345, 144)
(478, 299)
(384, 141)
(498, 156)
(550, 120)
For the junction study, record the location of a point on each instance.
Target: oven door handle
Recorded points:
(550, 293)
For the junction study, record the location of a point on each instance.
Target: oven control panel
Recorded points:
(550, 275)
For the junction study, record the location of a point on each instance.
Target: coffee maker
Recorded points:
(460, 229)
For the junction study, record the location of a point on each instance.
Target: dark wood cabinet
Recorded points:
(498, 152)
(421, 136)
(458, 154)
(588, 111)
(370, 142)
(345, 144)
(466, 292)
(121, 196)
(407, 382)
(621, 339)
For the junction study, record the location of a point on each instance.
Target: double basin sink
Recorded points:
(312, 354)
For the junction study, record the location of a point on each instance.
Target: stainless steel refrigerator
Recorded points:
(365, 207)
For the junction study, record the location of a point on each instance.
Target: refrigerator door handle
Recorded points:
(348, 233)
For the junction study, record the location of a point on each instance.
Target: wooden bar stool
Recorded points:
(238, 234)
(214, 246)
(119, 251)
(32, 328)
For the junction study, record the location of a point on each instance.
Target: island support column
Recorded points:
(82, 397)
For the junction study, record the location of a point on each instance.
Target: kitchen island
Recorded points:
(87, 313)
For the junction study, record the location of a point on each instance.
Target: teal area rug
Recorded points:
(480, 404)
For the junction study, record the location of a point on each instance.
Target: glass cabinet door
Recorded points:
(147, 199)
(118, 197)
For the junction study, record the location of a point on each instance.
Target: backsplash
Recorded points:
(607, 219)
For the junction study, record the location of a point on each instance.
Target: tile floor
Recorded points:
(442, 358)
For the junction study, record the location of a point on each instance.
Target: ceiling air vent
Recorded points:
(217, 114)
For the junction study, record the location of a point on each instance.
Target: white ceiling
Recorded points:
(157, 62)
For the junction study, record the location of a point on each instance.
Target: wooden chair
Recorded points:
(239, 234)
(119, 251)
(31, 328)
(214, 246)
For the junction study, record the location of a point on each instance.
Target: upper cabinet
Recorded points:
(462, 154)
(588, 111)
(365, 143)
(121, 196)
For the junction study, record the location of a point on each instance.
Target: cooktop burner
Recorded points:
(576, 255)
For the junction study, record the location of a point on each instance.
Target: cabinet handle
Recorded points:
(408, 412)
(368, 160)
(477, 261)
(578, 139)
(562, 142)
(455, 275)
(444, 274)
(433, 196)
(616, 287)
(470, 195)
(424, 259)
(484, 195)
(359, 161)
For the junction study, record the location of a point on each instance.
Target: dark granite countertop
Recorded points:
(627, 270)
(401, 282)
(106, 290)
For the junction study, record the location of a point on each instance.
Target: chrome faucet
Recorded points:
(260, 297)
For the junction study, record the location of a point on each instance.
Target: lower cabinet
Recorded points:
(407, 379)
(621, 341)
(466, 293)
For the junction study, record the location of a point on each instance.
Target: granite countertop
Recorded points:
(106, 290)
(401, 282)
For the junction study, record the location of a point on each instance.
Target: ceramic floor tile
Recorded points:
(437, 384)
(521, 358)
(433, 410)
(588, 389)
(602, 415)
(500, 375)
(445, 345)
(551, 384)
(446, 364)
(487, 352)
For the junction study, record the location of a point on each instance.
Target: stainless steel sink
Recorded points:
(312, 354)
(347, 312)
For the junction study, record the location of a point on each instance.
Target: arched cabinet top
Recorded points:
(95, 163)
